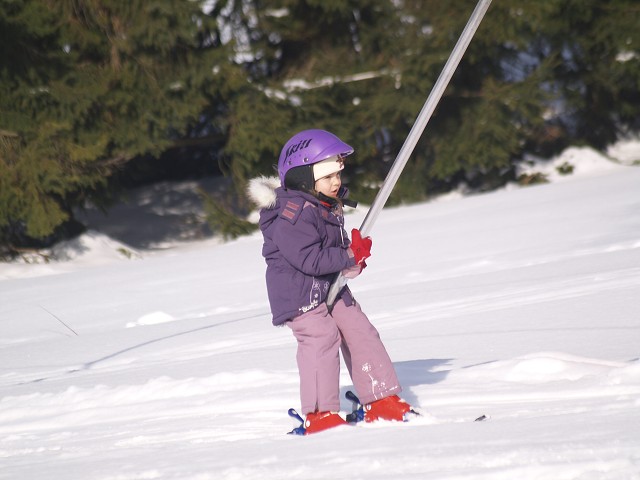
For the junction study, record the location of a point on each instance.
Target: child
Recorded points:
(305, 246)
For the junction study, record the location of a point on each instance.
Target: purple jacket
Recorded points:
(305, 245)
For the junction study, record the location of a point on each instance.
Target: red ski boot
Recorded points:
(388, 408)
(319, 421)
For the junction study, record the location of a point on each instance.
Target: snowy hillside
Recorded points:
(522, 305)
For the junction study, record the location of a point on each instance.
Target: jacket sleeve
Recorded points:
(300, 244)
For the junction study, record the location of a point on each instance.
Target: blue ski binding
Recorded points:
(298, 430)
(357, 413)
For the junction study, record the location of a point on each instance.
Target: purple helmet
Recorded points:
(303, 150)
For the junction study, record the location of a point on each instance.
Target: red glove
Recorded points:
(361, 247)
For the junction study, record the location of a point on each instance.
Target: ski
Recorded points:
(356, 416)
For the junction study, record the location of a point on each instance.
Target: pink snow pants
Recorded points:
(320, 337)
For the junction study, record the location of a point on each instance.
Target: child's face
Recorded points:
(329, 185)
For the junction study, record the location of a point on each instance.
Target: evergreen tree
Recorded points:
(363, 70)
(532, 81)
(316, 64)
(87, 86)
(597, 72)
(537, 77)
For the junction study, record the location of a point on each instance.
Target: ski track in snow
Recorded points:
(511, 297)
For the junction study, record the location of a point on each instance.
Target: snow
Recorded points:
(520, 304)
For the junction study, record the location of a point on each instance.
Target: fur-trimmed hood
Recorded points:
(262, 191)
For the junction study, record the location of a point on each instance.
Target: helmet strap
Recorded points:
(332, 202)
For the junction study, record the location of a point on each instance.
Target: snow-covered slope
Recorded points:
(521, 305)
